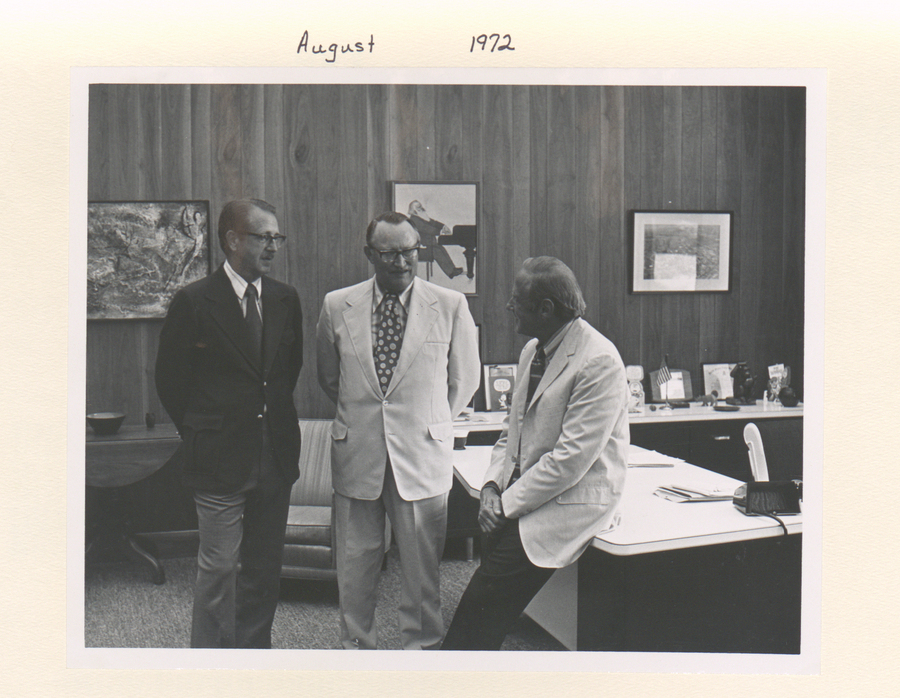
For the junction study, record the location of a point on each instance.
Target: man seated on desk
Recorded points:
(558, 469)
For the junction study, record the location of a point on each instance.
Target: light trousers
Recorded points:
(239, 561)
(420, 529)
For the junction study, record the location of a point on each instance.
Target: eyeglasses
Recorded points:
(392, 255)
(268, 239)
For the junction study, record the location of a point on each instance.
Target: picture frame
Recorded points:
(140, 252)
(681, 251)
(445, 214)
(678, 387)
(499, 382)
(718, 377)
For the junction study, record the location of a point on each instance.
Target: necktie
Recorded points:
(538, 364)
(388, 341)
(254, 322)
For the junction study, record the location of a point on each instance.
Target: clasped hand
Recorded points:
(490, 514)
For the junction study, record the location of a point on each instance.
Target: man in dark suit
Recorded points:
(558, 469)
(229, 356)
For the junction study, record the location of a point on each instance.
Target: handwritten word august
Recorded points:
(333, 49)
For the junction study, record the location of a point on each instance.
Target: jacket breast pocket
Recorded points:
(287, 337)
(585, 494)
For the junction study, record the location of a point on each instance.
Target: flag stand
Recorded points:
(662, 379)
(667, 407)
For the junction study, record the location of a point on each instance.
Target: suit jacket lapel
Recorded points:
(358, 321)
(557, 363)
(422, 315)
(226, 311)
(519, 407)
(275, 314)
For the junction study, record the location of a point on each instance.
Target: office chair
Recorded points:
(758, 466)
(309, 543)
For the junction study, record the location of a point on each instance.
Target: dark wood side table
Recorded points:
(112, 463)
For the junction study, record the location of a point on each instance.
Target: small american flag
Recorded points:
(663, 376)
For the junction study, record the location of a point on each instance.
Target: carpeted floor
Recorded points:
(123, 608)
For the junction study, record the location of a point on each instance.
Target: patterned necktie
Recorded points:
(538, 364)
(387, 344)
(254, 322)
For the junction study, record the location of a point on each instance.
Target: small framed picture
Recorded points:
(717, 377)
(499, 381)
(445, 214)
(678, 387)
(681, 251)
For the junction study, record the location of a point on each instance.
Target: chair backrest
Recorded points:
(758, 466)
(313, 488)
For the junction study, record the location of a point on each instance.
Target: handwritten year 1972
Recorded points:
(484, 40)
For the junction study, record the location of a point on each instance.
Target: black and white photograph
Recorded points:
(245, 418)
(681, 251)
(444, 215)
(282, 449)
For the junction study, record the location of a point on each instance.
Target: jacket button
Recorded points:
(264, 384)
(259, 416)
(385, 402)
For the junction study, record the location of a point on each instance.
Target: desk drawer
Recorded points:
(670, 439)
(720, 447)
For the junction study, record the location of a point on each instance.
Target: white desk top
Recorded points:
(493, 421)
(650, 523)
(697, 412)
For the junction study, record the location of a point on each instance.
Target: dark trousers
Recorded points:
(239, 561)
(498, 592)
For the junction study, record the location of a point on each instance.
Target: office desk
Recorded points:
(492, 421)
(673, 577)
(699, 434)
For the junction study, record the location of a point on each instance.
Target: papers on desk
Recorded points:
(643, 458)
(676, 493)
(470, 417)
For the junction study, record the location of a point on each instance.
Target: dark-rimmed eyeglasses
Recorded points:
(267, 240)
(391, 256)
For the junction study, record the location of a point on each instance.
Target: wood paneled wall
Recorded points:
(560, 167)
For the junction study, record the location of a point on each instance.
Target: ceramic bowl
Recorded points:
(105, 423)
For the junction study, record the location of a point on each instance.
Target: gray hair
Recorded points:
(549, 278)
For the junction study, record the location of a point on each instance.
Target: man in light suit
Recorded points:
(558, 469)
(399, 357)
(229, 356)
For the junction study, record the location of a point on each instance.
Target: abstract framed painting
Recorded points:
(140, 253)
(681, 251)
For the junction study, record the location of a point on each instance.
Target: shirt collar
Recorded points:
(404, 296)
(239, 283)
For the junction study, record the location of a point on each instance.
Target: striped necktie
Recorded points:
(538, 365)
(254, 321)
